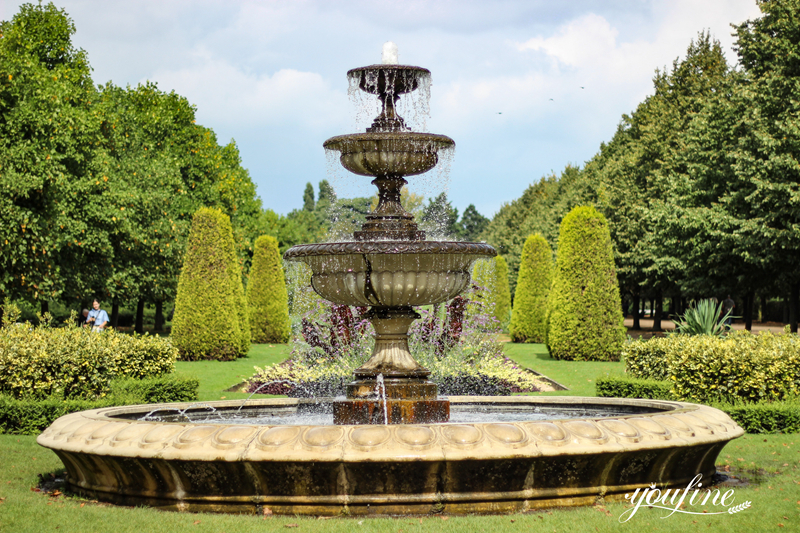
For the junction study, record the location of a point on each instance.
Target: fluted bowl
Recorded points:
(390, 273)
(389, 153)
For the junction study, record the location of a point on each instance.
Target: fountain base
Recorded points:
(360, 412)
(403, 400)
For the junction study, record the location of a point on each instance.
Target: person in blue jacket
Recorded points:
(97, 319)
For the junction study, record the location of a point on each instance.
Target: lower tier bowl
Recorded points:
(510, 456)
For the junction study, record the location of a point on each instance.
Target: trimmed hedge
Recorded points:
(267, 300)
(624, 387)
(75, 363)
(529, 316)
(740, 367)
(210, 319)
(492, 275)
(31, 416)
(584, 307)
(763, 417)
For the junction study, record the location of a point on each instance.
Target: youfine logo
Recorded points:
(674, 500)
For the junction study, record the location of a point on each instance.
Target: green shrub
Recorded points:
(73, 362)
(30, 416)
(492, 276)
(584, 307)
(267, 301)
(210, 320)
(705, 318)
(529, 316)
(774, 417)
(625, 387)
(647, 359)
(762, 417)
(159, 389)
(704, 368)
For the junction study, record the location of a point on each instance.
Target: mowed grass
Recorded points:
(217, 376)
(770, 464)
(578, 376)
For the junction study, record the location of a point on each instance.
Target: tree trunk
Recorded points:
(159, 325)
(114, 313)
(45, 307)
(794, 303)
(657, 308)
(636, 311)
(139, 326)
(749, 300)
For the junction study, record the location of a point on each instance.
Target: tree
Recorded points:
(440, 218)
(539, 210)
(210, 319)
(52, 232)
(529, 316)
(267, 301)
(308, 198)
(491, 275)
(584, 308)
(472, 224)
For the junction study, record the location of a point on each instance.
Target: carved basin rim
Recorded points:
(389, 247)
(675, 425)
(397, 141)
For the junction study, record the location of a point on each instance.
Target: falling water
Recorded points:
(380, 388)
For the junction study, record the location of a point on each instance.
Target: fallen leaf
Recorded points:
(222, 397)
(291, 525)
(266, 511)
(513, 521)
(196, 522)
(55, 493)
(83, 504)
(445, 517)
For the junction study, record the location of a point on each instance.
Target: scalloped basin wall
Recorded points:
(401, 469)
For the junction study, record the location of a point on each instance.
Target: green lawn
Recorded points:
(577, 376)
(771, 464)
(217, 376)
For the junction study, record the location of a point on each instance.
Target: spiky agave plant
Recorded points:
(705, 318)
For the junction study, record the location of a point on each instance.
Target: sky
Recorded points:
(524, 87)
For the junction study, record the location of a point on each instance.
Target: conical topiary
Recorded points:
(210, 320)
(584, 308)
(529, 316)
(267, 300)
(492, 276)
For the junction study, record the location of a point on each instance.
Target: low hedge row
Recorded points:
(740, 367)
(30, 416)
(763, 417)
(624, 387)
(74, 363)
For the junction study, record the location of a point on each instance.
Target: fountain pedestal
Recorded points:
(391, 387)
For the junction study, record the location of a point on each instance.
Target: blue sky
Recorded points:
(523, 87)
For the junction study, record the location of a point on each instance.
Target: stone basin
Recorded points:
(478, 467)
(389, 153)
(390, 273)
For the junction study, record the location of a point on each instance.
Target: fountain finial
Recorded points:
(389, 55)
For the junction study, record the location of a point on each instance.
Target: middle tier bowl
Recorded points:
(389, 153)
(390, 273)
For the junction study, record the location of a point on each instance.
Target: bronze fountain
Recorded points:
(530, 452)
(389, 266)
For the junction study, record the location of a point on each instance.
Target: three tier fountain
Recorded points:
(389, 265)
(397, 454)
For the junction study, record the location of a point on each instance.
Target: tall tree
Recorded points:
(51, 232)
(584, 307)
(529, 315)
(472, 224)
